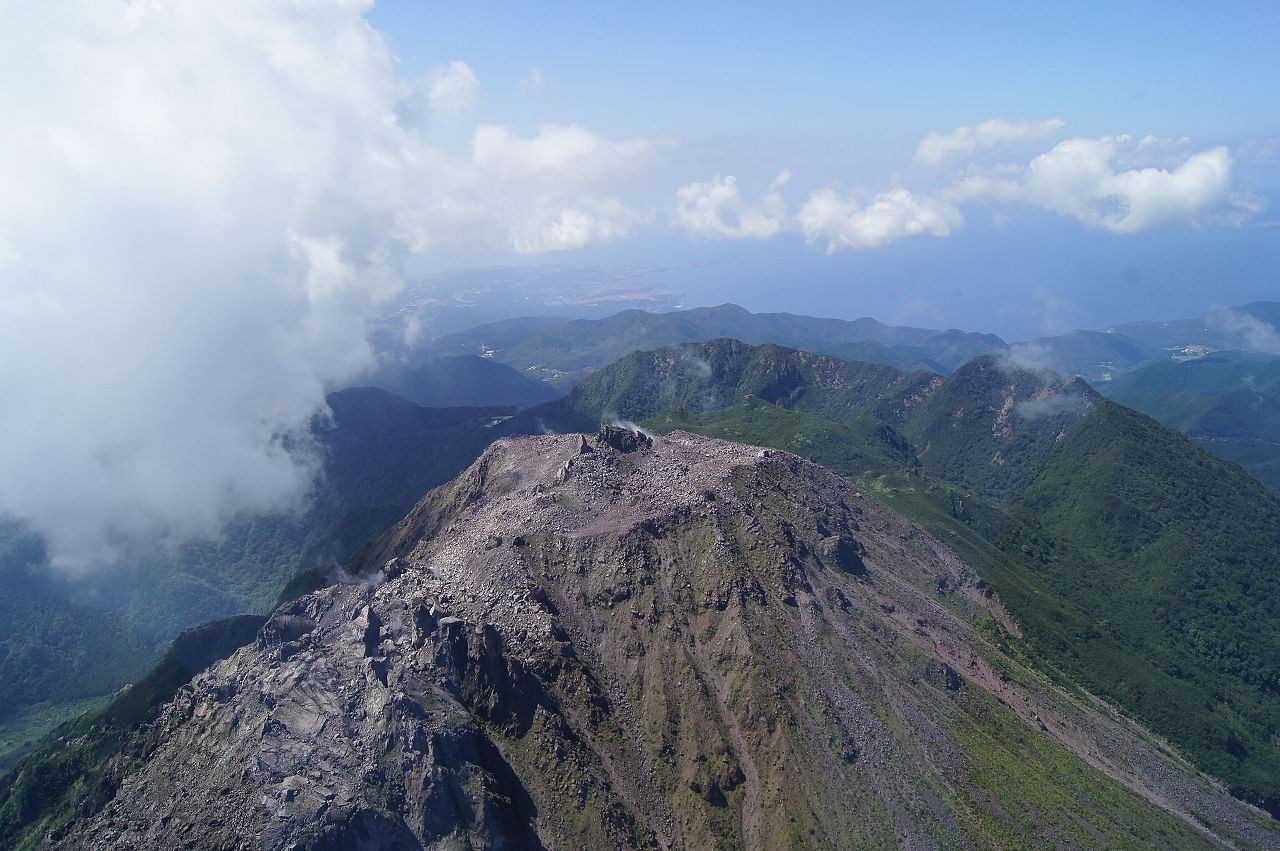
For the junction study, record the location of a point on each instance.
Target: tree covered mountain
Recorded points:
(1226, 402)
(565, 352)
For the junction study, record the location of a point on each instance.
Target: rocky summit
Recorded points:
(672, 642)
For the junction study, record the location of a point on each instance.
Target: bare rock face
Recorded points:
(627, 642)
(623, 439)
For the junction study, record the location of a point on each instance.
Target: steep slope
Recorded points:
(461, 381)
(78, 770)
(1172, 557)
(566, 353)
(1227, 402)
(628, 643)
(989, 426)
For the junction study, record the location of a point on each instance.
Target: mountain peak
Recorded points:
(643, 642)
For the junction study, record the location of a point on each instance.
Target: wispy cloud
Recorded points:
(452, 88)
(1244, 330)
(937, 148)
(533, 81)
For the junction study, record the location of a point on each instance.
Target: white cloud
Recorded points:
(1077, 178)
(1030, 356)
(715, 208)
(936, 148)
(570, 151)
(569, 227)
(203, 204)
(1085, 179)
(452, 88)
(846, 223)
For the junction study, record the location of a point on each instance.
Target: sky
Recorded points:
(838, 95)
(205, 206)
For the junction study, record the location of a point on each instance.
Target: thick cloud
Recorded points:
(202, 204)
(1085, 179)
(936, 148)
(715, 208)
(847, 223)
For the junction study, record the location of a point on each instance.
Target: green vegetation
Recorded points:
(1048, 797)
(1227, 402)
(1163, 563)
(24, 733)
(861, 446)
(990, 426)
(54, 649)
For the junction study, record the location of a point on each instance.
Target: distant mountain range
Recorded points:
(564, 352)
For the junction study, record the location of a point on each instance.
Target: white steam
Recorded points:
(616, 422)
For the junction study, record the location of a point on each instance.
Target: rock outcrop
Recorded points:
(633, 642)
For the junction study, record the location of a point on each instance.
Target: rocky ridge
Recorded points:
(626, 642)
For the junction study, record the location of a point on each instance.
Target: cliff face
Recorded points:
(624, 643)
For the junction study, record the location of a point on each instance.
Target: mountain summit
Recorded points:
(625, 641)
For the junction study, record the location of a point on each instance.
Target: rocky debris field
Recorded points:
(629, 642)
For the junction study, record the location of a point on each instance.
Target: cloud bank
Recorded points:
(1113, 183)
(203, 205)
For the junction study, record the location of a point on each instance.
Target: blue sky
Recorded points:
(841, 95)
(884, 72)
